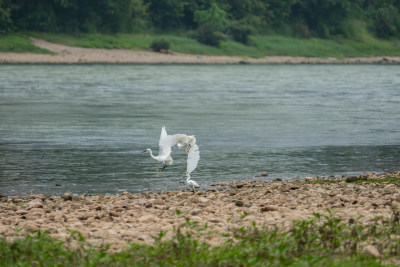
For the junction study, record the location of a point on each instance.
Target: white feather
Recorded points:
(193, 159)
(165, 143)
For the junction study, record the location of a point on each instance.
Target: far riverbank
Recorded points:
(63, 54)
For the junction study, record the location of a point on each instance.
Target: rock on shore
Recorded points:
(124, 218)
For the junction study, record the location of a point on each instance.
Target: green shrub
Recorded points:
(206, 34)
(159, 45)
(240, 32)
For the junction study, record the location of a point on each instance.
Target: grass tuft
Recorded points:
(19, 43)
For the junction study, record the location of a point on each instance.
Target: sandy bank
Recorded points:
(124, 218)
(77, 55)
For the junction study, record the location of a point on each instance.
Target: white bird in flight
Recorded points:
(168, 141)
(182, 140)
(164, 154)
(192, 161)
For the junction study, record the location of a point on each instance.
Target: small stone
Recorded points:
(21, 212)
(264, 174)
(66, 196)
(148, 218)
(278, 179)
(195, 212)
(83, 217)
(58, 184)
(294, 188)
(158, 201)
(35, 204)
(239, 203)
(371, 250)
(350, 179)
(142, 237)
(106, 219)
(269, 208)
(149, 205)
(17, 199)
(239, 185)
(215, 220)
(114, 214)
(247, 205)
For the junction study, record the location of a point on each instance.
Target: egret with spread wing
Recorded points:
(192, 161)
(164, 154)
(184, 140)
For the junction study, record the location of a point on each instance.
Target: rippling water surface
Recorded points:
(84, 127)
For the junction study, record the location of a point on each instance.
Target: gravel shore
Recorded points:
(124, 218)
(76, 55)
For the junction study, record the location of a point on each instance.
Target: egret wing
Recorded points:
(177, 139)
(165, 143)
(193, 158)
(182, 139)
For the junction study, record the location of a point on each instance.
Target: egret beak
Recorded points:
(143, 151)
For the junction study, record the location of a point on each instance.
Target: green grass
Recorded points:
(259, 46)
(324, 240)
(19, 43)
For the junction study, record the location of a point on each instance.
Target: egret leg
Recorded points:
(163, 168)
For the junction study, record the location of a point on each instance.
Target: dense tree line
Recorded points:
(210, 20)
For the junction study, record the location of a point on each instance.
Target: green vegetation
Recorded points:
(256, 28)
(324, 240)
(258, 45)
(300, 18)
(19, 43)
(352, 27)
(159, 45)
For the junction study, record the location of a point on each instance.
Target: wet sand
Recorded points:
(76, 55)
(125, 218)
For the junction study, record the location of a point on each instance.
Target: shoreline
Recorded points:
(126, 218)
(76, 55)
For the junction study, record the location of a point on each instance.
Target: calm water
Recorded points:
(84, 127)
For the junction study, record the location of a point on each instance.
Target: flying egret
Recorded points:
(164, 154)
(183, 140)
(192, 161)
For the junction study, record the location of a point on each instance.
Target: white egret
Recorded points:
(164, 154)
(183, 140)
(192, 161)
(192, 184)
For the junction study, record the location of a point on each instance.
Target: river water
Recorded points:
(81, 128)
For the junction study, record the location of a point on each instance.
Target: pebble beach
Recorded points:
(126, 218)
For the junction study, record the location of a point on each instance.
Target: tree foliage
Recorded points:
(237, 18)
